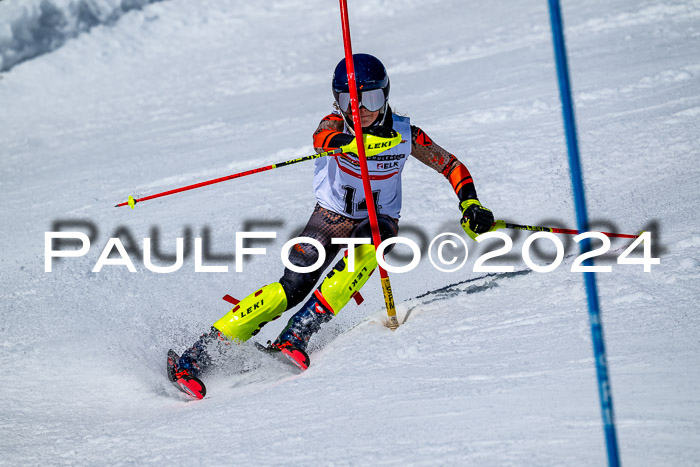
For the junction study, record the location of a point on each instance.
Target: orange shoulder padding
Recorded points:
(323, 137)
(332, 117)
(459, 177)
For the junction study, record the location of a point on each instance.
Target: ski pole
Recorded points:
(506, 225)
(132, 202)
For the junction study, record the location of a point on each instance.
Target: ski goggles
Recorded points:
(371, 100)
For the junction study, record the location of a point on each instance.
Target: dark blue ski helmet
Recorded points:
(370, 74)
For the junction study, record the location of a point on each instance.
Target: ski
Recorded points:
(297, 357)
(192, 386)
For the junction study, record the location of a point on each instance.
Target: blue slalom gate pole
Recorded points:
(601, 364)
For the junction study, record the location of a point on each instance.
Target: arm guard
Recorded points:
(329, 134)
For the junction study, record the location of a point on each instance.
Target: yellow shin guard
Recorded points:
(340, 284)
(253, 312)
(268, 303)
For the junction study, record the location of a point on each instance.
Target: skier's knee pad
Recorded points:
(253, 312)
(340, 284)
(297, 285)
(388, 228)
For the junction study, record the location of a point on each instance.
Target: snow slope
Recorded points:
(34, 27)
(493, 370)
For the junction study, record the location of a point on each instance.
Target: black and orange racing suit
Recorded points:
(325, 224)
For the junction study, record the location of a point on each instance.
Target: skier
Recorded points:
(340, 212)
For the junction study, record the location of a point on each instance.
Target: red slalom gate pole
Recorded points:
(357, 124)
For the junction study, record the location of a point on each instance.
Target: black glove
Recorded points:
(476, 219)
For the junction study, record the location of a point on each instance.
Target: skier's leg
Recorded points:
(239, 324)
(323, 226)
(335, 291)
(269, 302)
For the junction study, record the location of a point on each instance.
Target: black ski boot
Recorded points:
(183, 379)
(295, 337)
(198, 358)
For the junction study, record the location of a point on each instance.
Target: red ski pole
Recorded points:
(534, 228)
(132, 202)
(357, 124)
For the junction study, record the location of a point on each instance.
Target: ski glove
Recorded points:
(476, 219)
(376, 140)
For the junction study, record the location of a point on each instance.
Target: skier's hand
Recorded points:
(376, 141)
(476, 219)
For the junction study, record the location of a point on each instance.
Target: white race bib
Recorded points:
(338, 180)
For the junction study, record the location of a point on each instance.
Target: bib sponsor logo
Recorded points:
(387, 165)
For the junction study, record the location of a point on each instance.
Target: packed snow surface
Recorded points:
(33, 27)
(484, 370)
